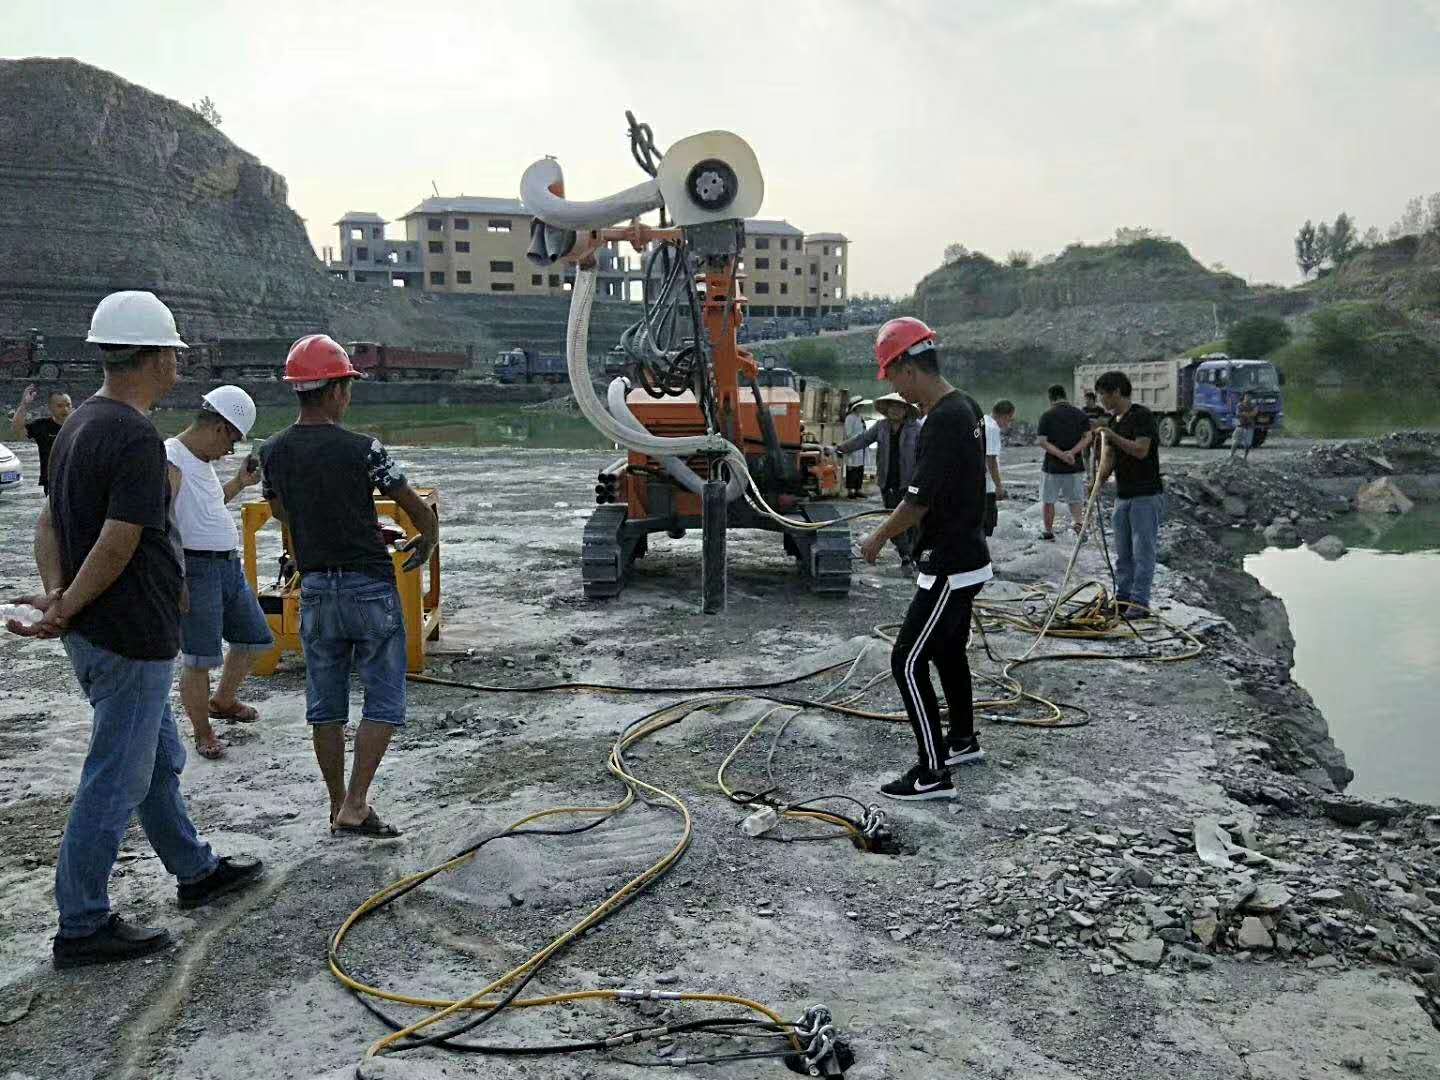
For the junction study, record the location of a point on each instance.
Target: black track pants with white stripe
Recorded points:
(936, 631)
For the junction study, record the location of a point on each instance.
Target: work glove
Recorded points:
(419, 549)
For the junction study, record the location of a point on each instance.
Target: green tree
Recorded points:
(208, 112)
(1307, 252)
(1342, 239)
(1256, 336)
(954, 253)
(1019, 260)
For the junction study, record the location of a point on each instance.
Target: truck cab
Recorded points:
(1219, 382)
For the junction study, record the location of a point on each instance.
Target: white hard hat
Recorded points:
(134, 317)
(234, 405)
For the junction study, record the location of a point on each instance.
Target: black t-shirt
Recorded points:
(950, 482)
(42, 433)
(108, 461)
(1137, 476)
(324, 476)
(1064, 425)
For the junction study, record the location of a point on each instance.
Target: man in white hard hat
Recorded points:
(112, 592)
(220, 602)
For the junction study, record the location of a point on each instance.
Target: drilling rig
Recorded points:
(706, 445)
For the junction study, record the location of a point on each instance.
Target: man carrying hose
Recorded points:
(945, 503)
(1132, 453)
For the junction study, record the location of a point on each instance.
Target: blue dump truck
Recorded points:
(526, 366)
(1197, 397)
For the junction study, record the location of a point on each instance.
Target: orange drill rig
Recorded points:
(708, 446)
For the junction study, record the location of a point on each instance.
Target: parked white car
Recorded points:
(10, 475)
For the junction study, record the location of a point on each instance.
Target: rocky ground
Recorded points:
(1174, 888)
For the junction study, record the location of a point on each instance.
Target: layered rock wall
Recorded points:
(105, 185)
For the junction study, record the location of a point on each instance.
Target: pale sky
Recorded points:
(905, 124)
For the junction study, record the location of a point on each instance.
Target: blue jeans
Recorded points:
(221, 605)
(1137, 533)
(133, 767)
(352, 621)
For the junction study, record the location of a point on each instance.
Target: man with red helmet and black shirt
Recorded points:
(319, 479)
(946, 503)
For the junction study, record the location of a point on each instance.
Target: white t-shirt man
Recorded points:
(200, 514)
(992, 451)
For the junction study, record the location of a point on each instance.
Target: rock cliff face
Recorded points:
(105, 185)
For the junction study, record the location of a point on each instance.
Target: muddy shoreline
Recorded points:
(1062, 918)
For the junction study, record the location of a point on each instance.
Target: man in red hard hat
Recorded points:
(945, 504)
(319, 479)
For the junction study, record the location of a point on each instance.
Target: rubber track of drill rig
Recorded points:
(603, 564)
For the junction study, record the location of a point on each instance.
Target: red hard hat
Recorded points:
(316, 359)
(899, 337)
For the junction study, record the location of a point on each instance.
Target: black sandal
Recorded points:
(372, 826)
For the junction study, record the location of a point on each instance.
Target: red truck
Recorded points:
(24, 358)
(389, 363)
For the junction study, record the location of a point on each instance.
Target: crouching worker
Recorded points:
(945, 501)
(219, 604)
(319, 477)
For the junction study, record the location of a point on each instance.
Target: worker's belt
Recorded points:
(211, 554)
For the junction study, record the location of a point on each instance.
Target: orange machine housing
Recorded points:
(673, 417)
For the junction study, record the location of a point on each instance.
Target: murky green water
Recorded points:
(1367, 645)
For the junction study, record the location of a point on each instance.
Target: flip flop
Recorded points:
(238, 713)
(372, 826)
(213, 751)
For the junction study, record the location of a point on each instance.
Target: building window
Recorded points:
(462, 247)
(462, 277)
(825, 277)
(361, 277)
(784, 264)
(462, 223)
(838, 271)
(784, 289)
(362, 254)
(814, 269)
(409, 255)
(762, 243)
(784, 245)
(536, 279)
(357, 234)
(502, 266)
(762, 264)
(377, 233)
(437, 277)
(554, 281)
(762, 287)
(502, 286)
(435, 224)
(825, 250)
(437, 247)
(797, 271)
(498, 225)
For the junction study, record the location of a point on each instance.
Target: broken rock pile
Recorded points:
(1398, 452)
(1232, 493)
(1129, 897)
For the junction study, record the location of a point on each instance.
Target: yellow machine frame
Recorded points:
(419, 604)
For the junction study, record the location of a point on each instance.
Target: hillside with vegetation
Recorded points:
(1369, 318)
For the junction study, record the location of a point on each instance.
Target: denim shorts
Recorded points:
(1062, 487)
(221, 606)
(353, 622)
